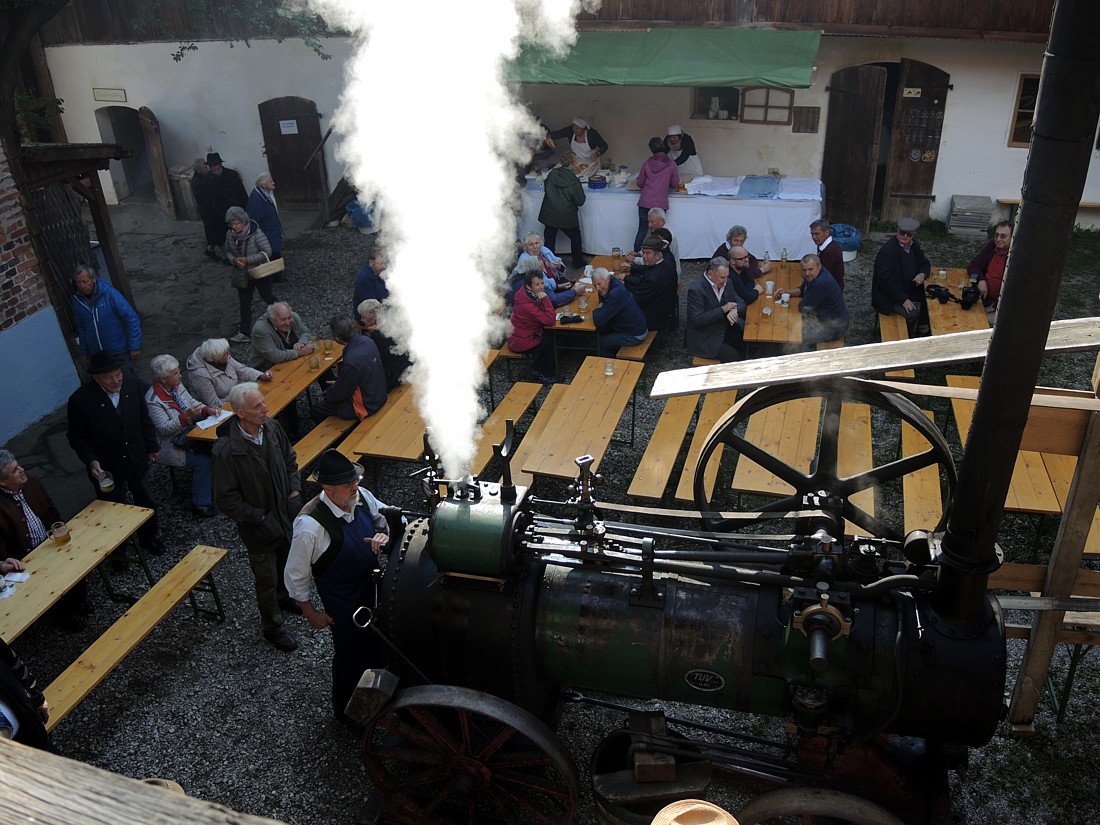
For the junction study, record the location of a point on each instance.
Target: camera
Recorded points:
(971, 295)
(939, 293)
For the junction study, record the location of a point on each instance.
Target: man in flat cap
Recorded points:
(654, 283)
(338, 537)
(897, 285)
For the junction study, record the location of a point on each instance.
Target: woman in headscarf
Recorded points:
(586, 143)
(246, 245)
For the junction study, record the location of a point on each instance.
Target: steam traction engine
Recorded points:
(498, 602)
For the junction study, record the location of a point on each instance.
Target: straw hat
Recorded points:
(693, 812)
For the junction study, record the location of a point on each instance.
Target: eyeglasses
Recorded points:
(906, 234)
(742, 258)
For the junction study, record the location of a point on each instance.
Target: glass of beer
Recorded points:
(314, 363)
(106, 482)
(59, 532)
(328, 349)
(616, 259)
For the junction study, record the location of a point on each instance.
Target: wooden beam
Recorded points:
(105, 234)
(1074, 335)
(37, 786)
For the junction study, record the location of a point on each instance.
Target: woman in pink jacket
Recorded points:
(532, 314)
(659, 175)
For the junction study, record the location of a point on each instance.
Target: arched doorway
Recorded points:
(882, 141)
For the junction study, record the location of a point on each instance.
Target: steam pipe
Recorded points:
(1065, 124)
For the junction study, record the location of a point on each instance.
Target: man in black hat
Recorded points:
(23, 707)
(338, 537)
(111, 432)
(901, 268)
(224, 188)
(654, 283)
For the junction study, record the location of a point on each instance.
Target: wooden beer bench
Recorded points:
(534, 432)
(66, 691)
(894, 328)
(309, 448)
(637, 352)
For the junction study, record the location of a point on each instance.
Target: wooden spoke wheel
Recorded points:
(814, 806)
(448, 755)
(823, 474)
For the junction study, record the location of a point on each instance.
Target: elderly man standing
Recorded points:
(26, 513)
(360, 386)
(111, 432)
(265, 212)
(226, 186)
(824, 313)
(279, 336)
(828, 250)
(256, 484)
(369, 282)
(105, 322)
(619, 319)
(897, 285)
(338, 537)
(989, 265)
(213, 221)
(715, 316)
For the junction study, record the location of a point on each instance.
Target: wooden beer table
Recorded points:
(95, 532)
(784, 325)
(951, 317)
(289, 380)
(585, 419)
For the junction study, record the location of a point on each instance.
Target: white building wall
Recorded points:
(208, 101)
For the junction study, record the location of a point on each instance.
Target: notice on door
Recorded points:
(288, 127)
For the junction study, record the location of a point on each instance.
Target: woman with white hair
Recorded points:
(174, 412)
(395, 361)
(213, 372)
(246, 245)
(535, 255)
(265, 212)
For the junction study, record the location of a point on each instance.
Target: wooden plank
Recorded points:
(349, 446)
(513, 406)
(47, 789)
(855, 456)
(715, 406)
(104, 654)
(787, 431)
(637, 352)
(95, 532)
(894, 328)
(1032, 577)
(320, 438)
(1074, 335)
(655, 469)
(922, 495)
(1061, 469)
(534, 432)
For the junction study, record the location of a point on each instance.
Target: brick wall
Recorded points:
(21, 290)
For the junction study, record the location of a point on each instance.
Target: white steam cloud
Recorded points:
(430, 129)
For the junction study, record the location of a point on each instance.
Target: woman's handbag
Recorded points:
(267, 269)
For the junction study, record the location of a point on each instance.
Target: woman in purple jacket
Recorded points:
(659, 175)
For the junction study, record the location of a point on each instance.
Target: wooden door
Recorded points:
(292, 133)
(914, 141)
(157, 167)
(851, 143)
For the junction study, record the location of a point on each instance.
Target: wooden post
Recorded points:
(105, 233)
(1065, 561)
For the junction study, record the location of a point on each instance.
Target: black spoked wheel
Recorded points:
(449, 755)
(831, 400)
(814, 806)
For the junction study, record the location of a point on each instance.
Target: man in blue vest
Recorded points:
(337, 539)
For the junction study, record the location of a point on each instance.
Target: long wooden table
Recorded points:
(586, 418)
(289, 380)
(784, 325)
(951, 317)
(95, 532)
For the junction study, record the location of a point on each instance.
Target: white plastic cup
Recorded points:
(608, 367)
(769, 288)
(766, 311)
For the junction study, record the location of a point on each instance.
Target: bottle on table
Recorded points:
(783, 257)
(767, 257)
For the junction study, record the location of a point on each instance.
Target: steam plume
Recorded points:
(429, 128)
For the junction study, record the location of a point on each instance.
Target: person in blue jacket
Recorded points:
(265, 212)
(369, 282)
(105, 322)
(618, 318)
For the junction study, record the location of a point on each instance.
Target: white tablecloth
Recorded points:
(609, 218)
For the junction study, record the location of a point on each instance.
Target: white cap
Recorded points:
(675, 129)
(580, 121)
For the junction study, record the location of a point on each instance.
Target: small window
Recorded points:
(775, 106)
(715, 103)
(1024, 115)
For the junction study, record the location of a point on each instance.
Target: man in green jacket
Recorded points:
(561, 203)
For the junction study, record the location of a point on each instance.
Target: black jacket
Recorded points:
(20, 693)
(654, 289)
(121, 440)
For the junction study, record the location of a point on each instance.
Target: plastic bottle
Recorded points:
(784, 258)
(767, 257)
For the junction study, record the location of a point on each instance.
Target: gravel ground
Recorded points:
(235, 721)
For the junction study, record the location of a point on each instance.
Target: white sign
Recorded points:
(109, 95)
(911, 91)
(288, 127)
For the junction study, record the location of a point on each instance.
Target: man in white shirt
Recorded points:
(338, 537)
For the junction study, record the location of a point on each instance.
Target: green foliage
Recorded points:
(33, 114)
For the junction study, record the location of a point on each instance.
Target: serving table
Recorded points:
(951, 317)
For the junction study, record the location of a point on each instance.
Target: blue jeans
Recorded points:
(611, 341)
(643, 227)
(201, 478)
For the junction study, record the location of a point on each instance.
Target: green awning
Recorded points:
(677, 57)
